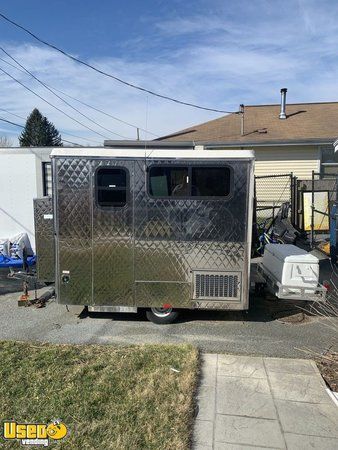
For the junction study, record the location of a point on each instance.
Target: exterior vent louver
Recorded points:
(217, 285)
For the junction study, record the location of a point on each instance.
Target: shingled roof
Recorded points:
(305, 122)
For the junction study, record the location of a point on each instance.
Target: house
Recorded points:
(286, 138)
(25, 175)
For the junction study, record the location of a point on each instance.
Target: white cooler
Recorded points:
(294, 271)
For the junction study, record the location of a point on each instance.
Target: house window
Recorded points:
(329, 162)
(189, 182)
(111, 187)
(47, 178)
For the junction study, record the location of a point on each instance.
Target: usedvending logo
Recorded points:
(35, 433)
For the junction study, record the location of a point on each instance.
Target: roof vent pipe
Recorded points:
(241, 111)
(282, 114)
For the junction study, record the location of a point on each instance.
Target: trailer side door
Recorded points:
(112, 246)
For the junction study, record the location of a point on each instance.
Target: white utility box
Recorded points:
(292, 271)
(291, 265)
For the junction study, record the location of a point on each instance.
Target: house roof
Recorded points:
(305, 122)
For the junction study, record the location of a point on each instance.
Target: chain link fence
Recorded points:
(271, 191)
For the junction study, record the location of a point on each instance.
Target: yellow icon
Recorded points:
(56, 430)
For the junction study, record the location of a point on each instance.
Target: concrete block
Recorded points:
(299, 388)
(209, 358)
(227, 446)
(245, 397)
(209, 370)
(201, 447)
(307, 418)
(301, 442)
(248, 431)
(241, 366)
(203, 432)
(292, 366)
(206, 403)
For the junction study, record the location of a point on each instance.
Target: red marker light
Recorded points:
(327, 285)
(166, 306)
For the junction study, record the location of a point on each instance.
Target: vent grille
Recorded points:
(217, 285)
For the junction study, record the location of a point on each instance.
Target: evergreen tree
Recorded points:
(39, 132)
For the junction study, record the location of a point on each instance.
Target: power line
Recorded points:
(70, 142)
(62, 132)
(12, 123)
(80, 137)
(87, 104)
(106, 114)
(21, 126)
(51, 104)
(13, 114)
(58, 96)
(102, 72)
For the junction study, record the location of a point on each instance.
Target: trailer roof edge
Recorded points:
(152, 153)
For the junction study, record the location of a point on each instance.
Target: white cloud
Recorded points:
(242, 54)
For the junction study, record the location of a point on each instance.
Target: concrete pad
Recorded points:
(301, 442)
(245, 397)
(202, 447)
(292, 366)
(203, 432)
(248, 431)
(306, 418)
(209, 370)
(210, 359)
(227, 446)
(206, 403)
(300, 388)
(241, 405)
(241, 366)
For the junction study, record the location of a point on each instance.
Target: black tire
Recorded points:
(161, 316)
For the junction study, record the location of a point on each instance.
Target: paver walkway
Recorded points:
(253, 402)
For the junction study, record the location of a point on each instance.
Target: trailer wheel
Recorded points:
(161, 316)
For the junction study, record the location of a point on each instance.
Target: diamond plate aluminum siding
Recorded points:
(144, 254)
(175, 237)
(113, 262)
(73, 222)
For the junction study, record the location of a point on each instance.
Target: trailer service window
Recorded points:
(190, 182)
(111, 186)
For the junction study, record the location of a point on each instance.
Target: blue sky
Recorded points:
(215, 53)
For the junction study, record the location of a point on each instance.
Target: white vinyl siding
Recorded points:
(301, 160)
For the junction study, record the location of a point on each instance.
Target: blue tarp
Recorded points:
(6, 261)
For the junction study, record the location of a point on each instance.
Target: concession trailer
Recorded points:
(160, 226)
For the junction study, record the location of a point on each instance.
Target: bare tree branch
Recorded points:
(5, 142)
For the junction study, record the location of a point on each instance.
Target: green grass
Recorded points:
(109, 397)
